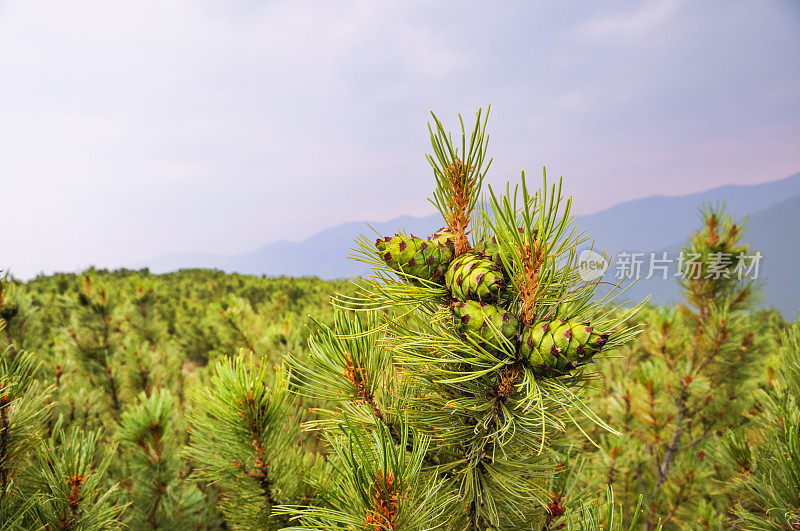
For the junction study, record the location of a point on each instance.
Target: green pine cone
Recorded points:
(489, 250)
(473, 277)
(421, 258)
(444, 245)
(445, 237)
(485, 323)
(559, 346)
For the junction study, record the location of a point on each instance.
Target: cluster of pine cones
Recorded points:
(476, 281)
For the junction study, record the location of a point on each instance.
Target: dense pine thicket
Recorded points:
(475, 382)
(101, 373)
(170, 338)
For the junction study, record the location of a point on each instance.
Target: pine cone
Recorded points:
(473, 277)
(426, 259)
(444, 236)
(559, 346)
(485, 323)
(490, 250)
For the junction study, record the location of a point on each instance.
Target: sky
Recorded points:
(134, 129)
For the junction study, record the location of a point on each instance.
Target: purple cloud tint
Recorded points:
(132, 129)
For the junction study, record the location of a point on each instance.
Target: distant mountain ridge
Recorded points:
(772, 232)
(653, 223)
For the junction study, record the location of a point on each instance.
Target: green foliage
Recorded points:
(244, 443)
(768, 458)
(114, 357)
(23, 410)
(689, 380)
(377, 484)
(70, 483)
(424, 361)
(606, 515)
(455, 388)
(151, 441)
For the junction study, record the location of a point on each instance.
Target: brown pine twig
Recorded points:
(260, 473)
(463, 181)
(510, 376)
(75, 484)
(385, 502)
(532, 256)
(672, 449)
(356, 375)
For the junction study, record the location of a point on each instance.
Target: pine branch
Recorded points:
(720, 336)
(532, 256)
(5, 428)
(462, 183)
(481, 350)
(681, 407)
(112, 386)
(23, 410)
(458, 182)
(695, 442)
(243, 440)
(680, 499)
(69, 480)
(7, 312)
(10, 340)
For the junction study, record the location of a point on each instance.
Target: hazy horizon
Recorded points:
(133, 130)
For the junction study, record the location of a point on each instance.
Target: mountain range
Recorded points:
(652, 224)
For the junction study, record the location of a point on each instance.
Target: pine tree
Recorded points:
(18, 311)
(70, 483)
(95, 339)
(688, 380)
(23, 411)
(768, 457)
(454, 373)
(244, 440)
(55, 482)
(151, 440)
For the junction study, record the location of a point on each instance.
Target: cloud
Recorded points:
(636, 24)
(132, 129)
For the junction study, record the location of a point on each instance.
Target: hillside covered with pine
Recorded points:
(475, 381)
